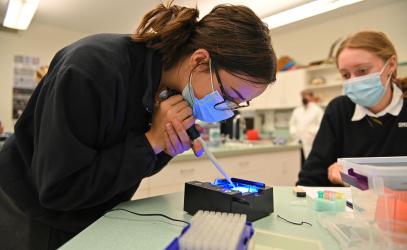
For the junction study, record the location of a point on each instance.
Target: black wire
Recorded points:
(140, 214)
(295, 223)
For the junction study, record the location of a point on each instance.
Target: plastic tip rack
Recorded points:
(330, 201)
(215, 231)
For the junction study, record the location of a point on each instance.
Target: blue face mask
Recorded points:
(204, 109)
(366, 90)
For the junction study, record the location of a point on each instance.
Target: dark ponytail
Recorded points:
(236, 39)
(167, 29)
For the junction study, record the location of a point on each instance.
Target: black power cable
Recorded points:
(141, 214)
(295, 223)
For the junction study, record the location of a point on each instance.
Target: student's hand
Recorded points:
(174, 108)
(177, 140)
(334, 175)
(196, 146)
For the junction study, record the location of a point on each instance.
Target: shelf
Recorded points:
(324, 86)
(321, 67)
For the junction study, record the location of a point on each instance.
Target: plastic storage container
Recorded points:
(210, 133)
(355, 234)
(379, 194)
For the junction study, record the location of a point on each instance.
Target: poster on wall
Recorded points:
(24, 82)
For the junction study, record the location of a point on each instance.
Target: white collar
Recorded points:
(393, 108)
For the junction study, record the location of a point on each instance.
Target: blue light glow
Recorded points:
(241, 189)
(242, 186)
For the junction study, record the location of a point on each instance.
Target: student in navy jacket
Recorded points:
(95, 125)
(370, 120)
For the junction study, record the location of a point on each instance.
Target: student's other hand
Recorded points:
(334, 174)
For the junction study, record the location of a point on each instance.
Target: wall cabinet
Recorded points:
(285, 92)
(291, 84)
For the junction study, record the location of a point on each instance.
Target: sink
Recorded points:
(243, 144)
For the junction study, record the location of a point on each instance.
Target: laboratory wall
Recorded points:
(311, 39)
(304, 41)
(40, 41)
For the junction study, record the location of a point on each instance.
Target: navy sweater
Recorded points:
(79, 147)
(339, 137)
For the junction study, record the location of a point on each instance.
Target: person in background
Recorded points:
(95, 125)
(370, 120)
(304, 122)
(1, 128)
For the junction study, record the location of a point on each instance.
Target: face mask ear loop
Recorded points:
(389, 77)
(210, 72)
(384, 66)
(388, 81)
(191, 90)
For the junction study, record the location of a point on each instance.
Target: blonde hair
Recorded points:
(375, 42)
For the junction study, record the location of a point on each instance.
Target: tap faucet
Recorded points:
(235, 130)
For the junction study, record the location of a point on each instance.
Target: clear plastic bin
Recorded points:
(354, 234)
(379, 194)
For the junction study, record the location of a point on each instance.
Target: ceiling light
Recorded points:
(304, 11)
(19, 13)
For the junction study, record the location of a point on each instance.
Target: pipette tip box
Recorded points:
(254, 199)
(329, 201)
(214, 230)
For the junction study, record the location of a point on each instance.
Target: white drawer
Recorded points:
(177, 173)
(167, 189)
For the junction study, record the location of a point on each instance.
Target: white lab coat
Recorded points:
(304, 125)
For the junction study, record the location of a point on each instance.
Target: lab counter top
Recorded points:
(122, 230)
(240, 148)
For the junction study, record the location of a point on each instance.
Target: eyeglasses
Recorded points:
(228, 103)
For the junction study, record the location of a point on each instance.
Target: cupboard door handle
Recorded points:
(243, 164)
(187, 171)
